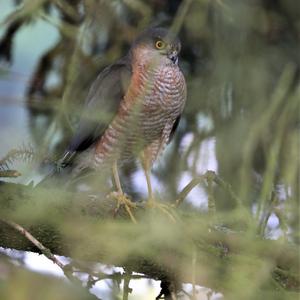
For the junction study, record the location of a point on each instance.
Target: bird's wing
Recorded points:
(174, 128)
(101, 106)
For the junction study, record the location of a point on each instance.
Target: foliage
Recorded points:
(242, 65)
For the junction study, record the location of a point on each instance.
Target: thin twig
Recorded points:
(227, 187)
(211, 199)
(43, 249)
(35, 242)
(267, 191)
(194, 264)
(117, 276)
(180, 15)
(207, 177)
(259, 127)
(126, 288)
(187, 189)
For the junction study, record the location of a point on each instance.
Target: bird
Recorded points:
(132, 110)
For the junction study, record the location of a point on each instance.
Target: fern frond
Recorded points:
(25, 153)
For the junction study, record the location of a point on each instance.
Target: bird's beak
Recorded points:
(173, 56)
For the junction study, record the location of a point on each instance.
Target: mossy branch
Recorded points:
(51, 217)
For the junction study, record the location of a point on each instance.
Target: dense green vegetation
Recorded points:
(242, 64)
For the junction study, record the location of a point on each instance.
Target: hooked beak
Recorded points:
(173, 56)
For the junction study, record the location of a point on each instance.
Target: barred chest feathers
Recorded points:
(161, 93)
(154, 100)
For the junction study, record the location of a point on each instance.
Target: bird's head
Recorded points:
(156, 45)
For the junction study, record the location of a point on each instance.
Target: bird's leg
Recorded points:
(151, 199)
(146, 164)
(117, 178)
(152, 203)
(121, 198)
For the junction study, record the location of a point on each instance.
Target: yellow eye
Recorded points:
(160, 45)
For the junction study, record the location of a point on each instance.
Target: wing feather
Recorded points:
(101, 106)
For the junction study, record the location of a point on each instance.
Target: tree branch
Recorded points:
(83, 227)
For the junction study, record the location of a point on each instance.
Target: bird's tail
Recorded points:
(58, 173)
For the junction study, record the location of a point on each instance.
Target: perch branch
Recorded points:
(52, 222)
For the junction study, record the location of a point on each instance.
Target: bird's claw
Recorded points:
(122, 199)
(165, 208)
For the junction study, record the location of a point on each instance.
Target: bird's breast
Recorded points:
(165, 97)
(154, 100)
(161, 90)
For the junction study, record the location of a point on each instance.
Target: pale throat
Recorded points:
(148, 58)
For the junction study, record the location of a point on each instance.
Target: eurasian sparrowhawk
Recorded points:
(133, 107)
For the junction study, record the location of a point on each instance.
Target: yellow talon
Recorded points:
(167, 209)
(122, 199)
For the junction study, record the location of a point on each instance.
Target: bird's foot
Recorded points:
(122, 199)
(165, 208)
